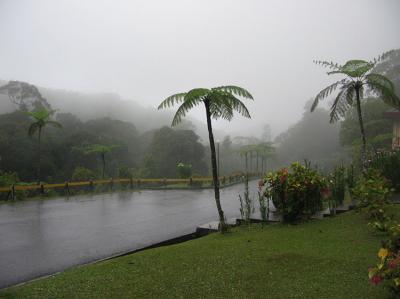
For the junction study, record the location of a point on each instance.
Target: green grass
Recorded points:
(320, 259)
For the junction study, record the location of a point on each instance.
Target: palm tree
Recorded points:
(100, 149)
(41, 119)
(359, 79)
(244, 152)
(266, 150)
(219, 102)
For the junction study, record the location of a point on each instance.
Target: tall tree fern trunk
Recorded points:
(214, 167)
(103, 160)
(257, 163)
(361, 122)
(262, 165)
(39, 154)
(246, 164)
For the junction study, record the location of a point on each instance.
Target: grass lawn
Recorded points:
(320, 259)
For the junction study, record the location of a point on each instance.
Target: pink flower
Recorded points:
(376, 279)
(393, 263)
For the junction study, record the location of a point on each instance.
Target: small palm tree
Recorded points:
(359, 79)
(244, 152)
(219, 102)
(41, 119)
(100, 149)
(265, 150)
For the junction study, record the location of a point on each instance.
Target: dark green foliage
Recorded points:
(296, 193)
(83, 174)
(372, 192)
(184, 170)
(8, 178)
(125, 173)
(170, 147)
(378, 128)
(18, 152)
(246, 202)
(337, 184)
(388, 164)
(358, 80)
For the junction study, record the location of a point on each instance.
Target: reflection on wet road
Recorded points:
(43, 237)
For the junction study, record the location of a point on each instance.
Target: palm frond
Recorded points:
(235, 90)
(325, 93)
(184, 108)
(172, 100)
(382, 57)
(354, 68)
(383, 88)
(238, 106)
(220, 107)
(341, 103)
(196, 94)
(40, 115)
(328, 64)
(33, 128)
(54, 124)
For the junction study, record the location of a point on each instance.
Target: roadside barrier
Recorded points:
(133, 183)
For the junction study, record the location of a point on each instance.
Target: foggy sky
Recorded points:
(148, 50)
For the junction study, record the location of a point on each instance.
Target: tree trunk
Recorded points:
(262, 165)
(251, 162)
(246, 164)
(39, 154)
(360, 119)
(103, 159)
(222, 226)
(257, 163)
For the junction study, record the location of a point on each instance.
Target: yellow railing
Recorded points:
(132, 182)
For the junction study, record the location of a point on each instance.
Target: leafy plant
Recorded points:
(184, 170)
(8, 178)
(388, 163)
(246, 202)
(263, 202)
(372, 192)
(359, 78)
(337, 186)
(41, 119)
(83, 174)
(295, 193)
(100, 149)
(219, 102)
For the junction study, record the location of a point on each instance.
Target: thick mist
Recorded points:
(144, 51)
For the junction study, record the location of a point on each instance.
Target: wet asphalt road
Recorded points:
(44, 237)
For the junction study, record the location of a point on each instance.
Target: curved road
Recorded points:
(44, 237)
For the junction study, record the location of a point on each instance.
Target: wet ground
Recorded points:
(46, 236)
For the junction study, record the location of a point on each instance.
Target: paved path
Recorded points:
(44, 237)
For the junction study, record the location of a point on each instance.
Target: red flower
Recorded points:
(393, 263)
(282, 179)
(376, 279)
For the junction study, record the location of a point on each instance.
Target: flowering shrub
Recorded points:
(295, 193)
(388, 268)
(372, 192)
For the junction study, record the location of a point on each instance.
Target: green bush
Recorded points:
(388, 163)
(8, 178)
(184, 170)
(337, 184)
(372, 191)
(83, 174)
(295, 193)
(125, 173)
